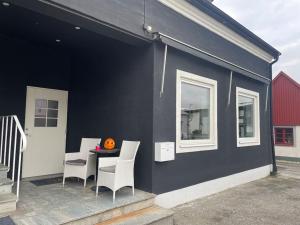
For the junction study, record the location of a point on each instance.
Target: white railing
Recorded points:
(13, 143)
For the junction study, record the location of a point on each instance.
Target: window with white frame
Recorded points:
(248, 119)
(284, 136)
(196, 113)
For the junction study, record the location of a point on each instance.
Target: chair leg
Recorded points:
(97, 190)
(114, 196)
(64, 181)
(84, 184)
(133, 190)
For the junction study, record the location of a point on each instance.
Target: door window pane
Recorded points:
(40, 112)
(40, 122)
(246, 116)
(195, 106)
(46, 113)
(52, 104)
(52, 113)
(51, 122)
(41, 103)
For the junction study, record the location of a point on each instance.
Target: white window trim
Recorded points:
(248, 141)
(183, 146)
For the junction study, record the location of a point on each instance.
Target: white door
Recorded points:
(45, 128)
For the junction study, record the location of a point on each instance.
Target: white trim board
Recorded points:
(184, 195)
(191, 12)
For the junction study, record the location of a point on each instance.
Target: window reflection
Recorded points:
(246, 116)
(195, 106)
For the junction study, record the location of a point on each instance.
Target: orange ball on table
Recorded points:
(109, 144)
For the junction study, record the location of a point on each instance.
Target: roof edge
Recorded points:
(283, 74)
(209, 8)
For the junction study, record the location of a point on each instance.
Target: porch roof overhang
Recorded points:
(185, 47)
(52, 13)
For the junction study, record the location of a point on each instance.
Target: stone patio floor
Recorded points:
(54, 204)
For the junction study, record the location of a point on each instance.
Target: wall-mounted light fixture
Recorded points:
(6, 4)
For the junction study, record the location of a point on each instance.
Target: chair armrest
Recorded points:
(108, 161)
(73, 156)
(124, 169)
(91, 159)
(125, 163)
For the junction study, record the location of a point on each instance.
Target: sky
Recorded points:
(275, 21)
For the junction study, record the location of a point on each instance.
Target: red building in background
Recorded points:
(286, 116)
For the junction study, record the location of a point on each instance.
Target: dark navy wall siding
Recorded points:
(192, 168)
(25, 64)
(129, 15)
(111, 96)
(110, 92)
(126, 14)
(177, 26)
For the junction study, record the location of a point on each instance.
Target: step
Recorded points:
(5, 185)
(8, 202)
(4, 168)
(121, 210)
(153, 215)
(3, 171)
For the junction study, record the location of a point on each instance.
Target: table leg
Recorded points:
(97, 168)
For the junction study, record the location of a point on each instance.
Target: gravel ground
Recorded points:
(269, 201)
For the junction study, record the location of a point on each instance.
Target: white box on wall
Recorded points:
(164, 151)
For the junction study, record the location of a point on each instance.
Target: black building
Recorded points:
(159, 71)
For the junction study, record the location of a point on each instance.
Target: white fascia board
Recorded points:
(189, 11)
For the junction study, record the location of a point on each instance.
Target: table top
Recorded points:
(104, 151)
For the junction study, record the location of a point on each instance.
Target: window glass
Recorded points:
(40, 122)
(195, 105)
(40, 112)
(284, 136)
(46, 113)
(52, 104)
(52, 113)
(246, 116)
(51, 122)
(40, 103)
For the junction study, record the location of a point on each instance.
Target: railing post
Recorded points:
(2, 133)
(14, 156)
(19, 169)
(5, 141)
(10, 138)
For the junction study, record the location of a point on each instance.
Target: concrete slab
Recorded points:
(270, 201)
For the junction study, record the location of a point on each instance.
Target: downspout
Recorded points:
(274, 172)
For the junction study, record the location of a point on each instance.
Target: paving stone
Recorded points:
(54, 204)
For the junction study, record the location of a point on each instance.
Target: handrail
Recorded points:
(8, 146)
(24, 146)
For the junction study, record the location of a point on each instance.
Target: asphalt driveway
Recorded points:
(270, 201)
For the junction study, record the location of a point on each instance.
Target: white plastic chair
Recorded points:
(118, 172)
(82, 164)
